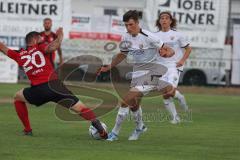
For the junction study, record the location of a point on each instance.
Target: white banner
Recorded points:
(96, 27)
(204, 22)
(8, 70)
(31, 9)
(22, 16)
(103, 49)
(81, 23)
(100, 24)
(117, 25)
(208, 58)
(236, 55)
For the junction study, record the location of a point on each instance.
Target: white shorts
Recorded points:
(144, 89)
(149, 83)
(145, 78)
(172, 76)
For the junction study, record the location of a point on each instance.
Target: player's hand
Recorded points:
(103, 69)
(166, 51)
(180, 63)
(59, 31)
(3, 48)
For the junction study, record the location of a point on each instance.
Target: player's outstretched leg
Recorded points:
(89, 115)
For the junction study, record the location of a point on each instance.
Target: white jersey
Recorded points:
(142, 48)
(176, 41)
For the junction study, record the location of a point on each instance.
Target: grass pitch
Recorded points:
(211, 132)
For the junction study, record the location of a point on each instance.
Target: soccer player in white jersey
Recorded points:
(167, 25)
(143, 47)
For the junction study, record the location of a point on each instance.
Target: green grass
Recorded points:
(212, 133)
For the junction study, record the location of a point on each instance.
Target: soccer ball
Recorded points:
(93, 132)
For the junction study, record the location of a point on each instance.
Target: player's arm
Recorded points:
(184, 44)
(118, 59)
(164, 50)
(3, 48)
(186, 54)
(54, 45)
(60, 55)
(8, 52)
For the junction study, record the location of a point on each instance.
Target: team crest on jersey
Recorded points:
(141, 46)
(172, 38)
(51, 39)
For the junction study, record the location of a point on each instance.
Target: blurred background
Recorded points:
(93, 28)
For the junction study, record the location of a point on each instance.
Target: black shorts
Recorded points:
(52, 91)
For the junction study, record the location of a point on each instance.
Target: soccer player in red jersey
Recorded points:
(47, 36)
(45, 85)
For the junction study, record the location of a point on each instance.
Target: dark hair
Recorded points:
(29, 37)
(131, 14)
(173, 24)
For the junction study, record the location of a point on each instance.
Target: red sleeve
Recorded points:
(13, 55)
(42, 47)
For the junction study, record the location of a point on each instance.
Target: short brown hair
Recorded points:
(131, 14)
(173, 24)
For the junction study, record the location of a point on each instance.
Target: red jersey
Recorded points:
(48, 39)
(35, 62)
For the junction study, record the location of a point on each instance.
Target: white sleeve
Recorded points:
(183, 41)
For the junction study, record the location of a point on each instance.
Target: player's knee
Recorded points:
(18, 96)
(170, 92)
(167, 95)
(134, 107)
(78, 107)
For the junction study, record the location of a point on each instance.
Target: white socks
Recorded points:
(181, 100)
(137, 116)
(121, 116)
(170, 106)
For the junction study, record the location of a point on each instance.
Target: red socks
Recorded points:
(22, 113)
(88, 114)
